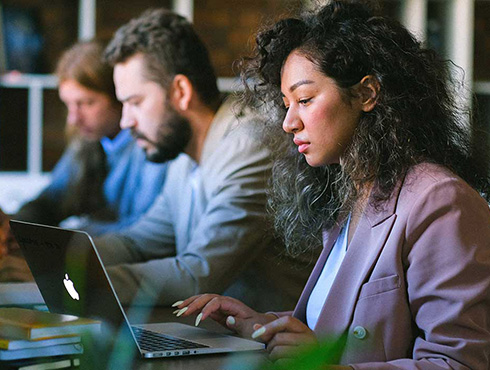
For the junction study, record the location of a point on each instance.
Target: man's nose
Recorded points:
(127, 119)
(74, 116)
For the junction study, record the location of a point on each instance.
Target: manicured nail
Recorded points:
(198, 319)
(182, 311)
(178, 303)
(257, 333)
(230, 320)
(176, 311)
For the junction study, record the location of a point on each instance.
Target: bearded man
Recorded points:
(207, 231)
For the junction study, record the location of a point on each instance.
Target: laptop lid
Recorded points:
(69, 272)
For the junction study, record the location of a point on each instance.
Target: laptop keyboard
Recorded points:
(151, 341)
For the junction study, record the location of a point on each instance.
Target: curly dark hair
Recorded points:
(417, 117)
(170, 46)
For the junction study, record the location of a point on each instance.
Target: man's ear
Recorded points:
(181, 92)
(368, 90)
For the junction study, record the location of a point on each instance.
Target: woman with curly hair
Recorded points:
(377, 166)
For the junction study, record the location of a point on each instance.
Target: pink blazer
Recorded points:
(413, 291)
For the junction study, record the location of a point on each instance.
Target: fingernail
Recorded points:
(182, 311)
(230, 320)
(176, 311)
(178, 303)
(257, 333)
(198, 319)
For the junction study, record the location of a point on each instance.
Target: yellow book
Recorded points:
(22, 323)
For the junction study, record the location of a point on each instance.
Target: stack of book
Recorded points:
(35, 340)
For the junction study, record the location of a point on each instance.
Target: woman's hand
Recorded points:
(283, 336)
(14, 268)
(229, 312)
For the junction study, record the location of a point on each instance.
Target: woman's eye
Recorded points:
(304, 101)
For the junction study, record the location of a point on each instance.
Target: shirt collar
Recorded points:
(112, 146)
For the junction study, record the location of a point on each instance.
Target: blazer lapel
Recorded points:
(362, 253)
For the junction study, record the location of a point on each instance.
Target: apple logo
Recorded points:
(70, 288)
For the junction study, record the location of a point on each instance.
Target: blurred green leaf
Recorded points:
(310, 357)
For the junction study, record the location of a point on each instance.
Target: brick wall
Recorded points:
(228, 28)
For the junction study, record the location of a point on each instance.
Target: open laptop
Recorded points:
(72, 280)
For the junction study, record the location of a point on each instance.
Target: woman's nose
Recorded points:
(291, 123)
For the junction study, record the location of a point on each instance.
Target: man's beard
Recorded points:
(173, 135)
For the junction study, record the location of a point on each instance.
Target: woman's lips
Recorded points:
(302, 148)
(302, 145)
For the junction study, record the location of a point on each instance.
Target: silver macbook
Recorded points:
(72, 279)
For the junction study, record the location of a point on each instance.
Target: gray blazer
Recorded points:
(413, 291)
(214, 239)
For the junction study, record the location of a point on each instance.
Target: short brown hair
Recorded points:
(170, 46)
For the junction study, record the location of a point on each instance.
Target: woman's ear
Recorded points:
(181, 92)
(368, 90)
